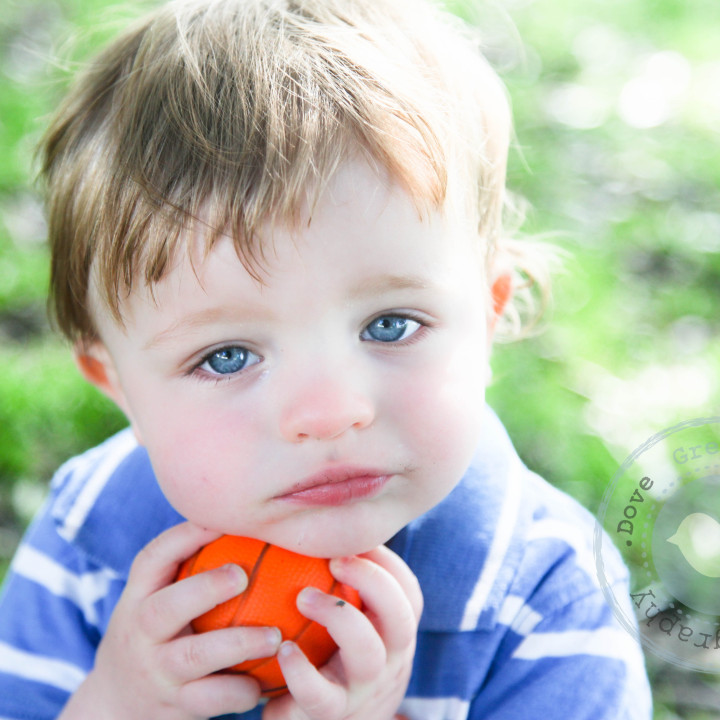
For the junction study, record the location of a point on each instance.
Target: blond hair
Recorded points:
(231, 113)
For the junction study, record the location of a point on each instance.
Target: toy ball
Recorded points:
(275, 577)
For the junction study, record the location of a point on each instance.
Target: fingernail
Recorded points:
(273, 637)
(340, 563)
(309, 596)
(287, 648)
(237, 574)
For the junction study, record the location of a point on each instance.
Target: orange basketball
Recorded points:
(275, 577)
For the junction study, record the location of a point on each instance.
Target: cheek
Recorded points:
(442, 405)
(199, 455)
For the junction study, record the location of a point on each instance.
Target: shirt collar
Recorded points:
(465, 551)
(110, 505)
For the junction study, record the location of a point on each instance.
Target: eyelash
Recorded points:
(412, 317)
(414, 337)
(205, 376)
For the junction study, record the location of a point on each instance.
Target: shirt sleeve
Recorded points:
(53, 610)
(577, 662)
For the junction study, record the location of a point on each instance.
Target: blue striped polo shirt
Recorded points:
(515, 624)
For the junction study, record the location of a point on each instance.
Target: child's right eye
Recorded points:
(228, 360)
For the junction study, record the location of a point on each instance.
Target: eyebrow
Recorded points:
(389, 282)
(375, 286)
(186, 324)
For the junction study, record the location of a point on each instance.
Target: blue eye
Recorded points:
(390, 329)
(229, 360)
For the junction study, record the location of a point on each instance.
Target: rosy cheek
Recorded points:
(443, 405)
(189, 444)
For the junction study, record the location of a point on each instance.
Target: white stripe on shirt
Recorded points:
(83, 590)
(504, 531)
(40, 668)
(85, 501)
(604, 642)
(518, 616)
(451, 708)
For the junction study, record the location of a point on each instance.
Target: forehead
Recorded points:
(361, 220)
(363, 234)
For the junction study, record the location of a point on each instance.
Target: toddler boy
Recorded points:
(277, 246)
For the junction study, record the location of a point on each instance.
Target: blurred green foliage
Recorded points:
(617, 108)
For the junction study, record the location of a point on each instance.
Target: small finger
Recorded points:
(168, 611)
(312, 694)
(219, 695)
(361, 649)
(156, 565)
(193, 656)
(399, 569)
(385, 601)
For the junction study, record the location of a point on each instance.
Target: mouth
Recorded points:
(337, 486)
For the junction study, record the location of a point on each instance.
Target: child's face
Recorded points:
(326, 408)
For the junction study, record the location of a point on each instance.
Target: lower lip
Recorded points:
(362, 487)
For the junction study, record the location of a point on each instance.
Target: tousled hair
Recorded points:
(222, 115)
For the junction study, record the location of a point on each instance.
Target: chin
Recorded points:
(342, 546)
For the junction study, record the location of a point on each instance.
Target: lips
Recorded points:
(337, 486)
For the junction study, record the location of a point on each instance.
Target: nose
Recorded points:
(324, 408)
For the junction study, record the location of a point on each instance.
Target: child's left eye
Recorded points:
(228, 360)
(390, 329)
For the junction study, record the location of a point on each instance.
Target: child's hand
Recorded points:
(150, 664)
(367, 677)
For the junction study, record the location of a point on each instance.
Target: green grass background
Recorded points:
(617, 109)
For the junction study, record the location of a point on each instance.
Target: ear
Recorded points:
(96, 365)
(502, 291)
